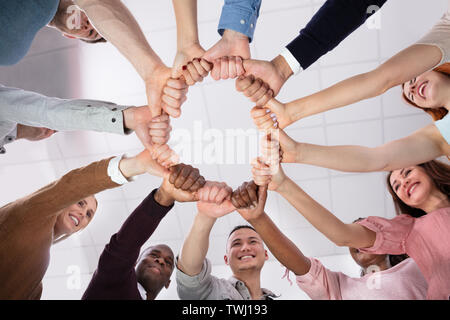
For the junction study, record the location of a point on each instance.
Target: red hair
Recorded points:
(435, 113)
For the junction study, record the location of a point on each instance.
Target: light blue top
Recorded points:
(21, 20)
(240, 16)
(444, 127)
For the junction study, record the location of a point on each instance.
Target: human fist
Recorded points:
(164, 92)
(189, 65)
(257, 90)
(249, 200)
(234, 47)
(214, 199)
(183, 183)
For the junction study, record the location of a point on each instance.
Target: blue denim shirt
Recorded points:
(240, 16)
(21, 20)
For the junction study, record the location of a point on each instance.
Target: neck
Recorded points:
(252, 280)
(437, 200)
(382, 265)
(150, 291)
(62, 8)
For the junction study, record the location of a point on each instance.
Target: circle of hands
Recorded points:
(166, 92)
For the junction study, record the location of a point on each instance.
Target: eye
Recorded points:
(89, 214)
(407, 172)
(81, 203)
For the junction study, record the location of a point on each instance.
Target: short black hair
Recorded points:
(94, 41)
(241, 226)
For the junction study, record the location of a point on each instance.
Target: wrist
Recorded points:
(229, 34)
(128, 118)
(283, 186)
(129, 167)
(282, 67)
(163, 197)
(299, 152)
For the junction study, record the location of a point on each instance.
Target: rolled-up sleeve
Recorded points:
(240, 16)
(198, 287)
(391, 234)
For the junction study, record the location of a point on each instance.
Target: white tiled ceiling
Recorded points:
(56, 66)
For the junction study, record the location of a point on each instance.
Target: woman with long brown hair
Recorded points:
(421, 230)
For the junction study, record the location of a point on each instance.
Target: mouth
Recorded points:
(75, 220)
(421, 89)
(412, 188)
(155, 269)
(247, 257)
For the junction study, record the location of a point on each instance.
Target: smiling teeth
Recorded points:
(412, 189)
(421, 90)
(75, 220)
(246, 257)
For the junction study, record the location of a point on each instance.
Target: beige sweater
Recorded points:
(26, 228)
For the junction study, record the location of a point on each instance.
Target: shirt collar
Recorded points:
(267, 294)
(142, 291)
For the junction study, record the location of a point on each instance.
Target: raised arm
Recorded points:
(402, 67)
(83, 182)
(421, 146)
(188, 62)
(331, 24)
(214, 202)
(349, 235)
(284, 250)
(115, 23)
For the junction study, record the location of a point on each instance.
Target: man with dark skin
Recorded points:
(117, 276)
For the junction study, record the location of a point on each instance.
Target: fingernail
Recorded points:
(273, 115)
(184, 68)
(267, 110)
(255, 204)
(198, 59)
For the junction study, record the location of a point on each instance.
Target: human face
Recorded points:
(245, 250)
(365, 260)
(156, 266)
(76, 25)
(412, 185)
(427, 90)
(76, 217)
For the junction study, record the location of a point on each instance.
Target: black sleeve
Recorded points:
(334, 21)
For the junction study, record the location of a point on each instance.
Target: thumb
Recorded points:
(176, 72)
(212, 54)
(262, 195)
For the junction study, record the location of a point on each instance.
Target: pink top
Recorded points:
(425, 239)
(403, 281)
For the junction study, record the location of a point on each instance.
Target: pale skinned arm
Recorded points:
(187, 61)
(402, 67)
(214, 202)
(114, 22)
(421, 146)
(350, 235)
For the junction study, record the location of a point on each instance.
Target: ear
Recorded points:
(225, 258)
(266, 255)
(68, 36)
(167, 284)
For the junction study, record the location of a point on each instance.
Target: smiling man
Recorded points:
(245, 252)
(123, 275)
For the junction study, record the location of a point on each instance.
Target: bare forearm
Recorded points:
(284, 250)
(322, 219)
(196, 245)
(186, 18)
(349, 91)
(341, 158)
(115, 23)
(421, 146)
